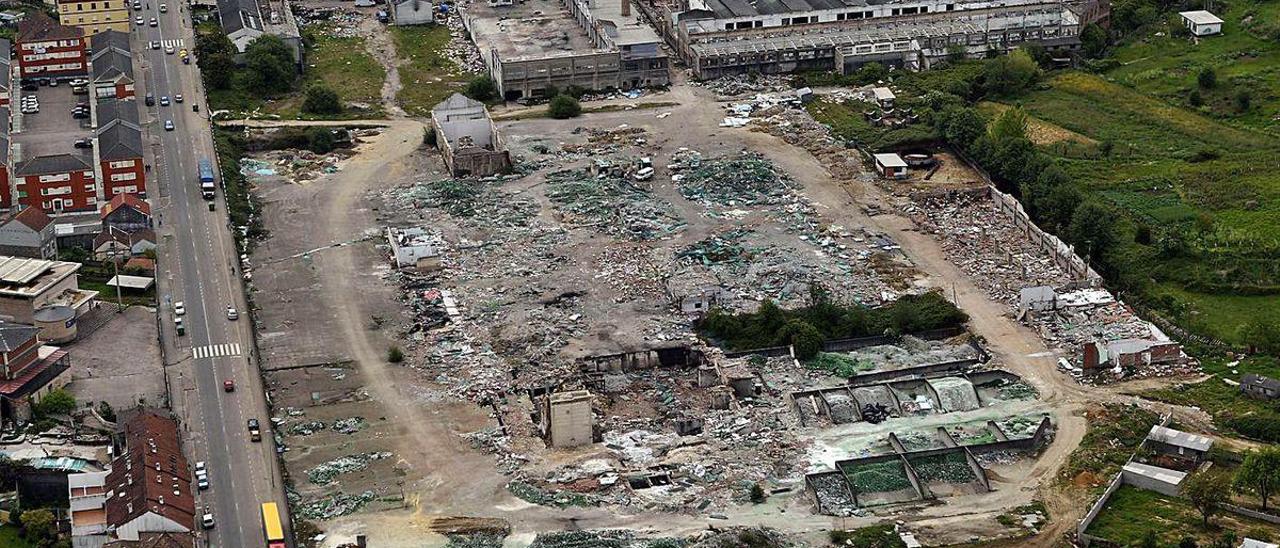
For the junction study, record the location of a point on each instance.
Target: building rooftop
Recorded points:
(121, 200)
(1252, 379)
(26, 278)
(890, 160)
(53, 163)
(6, 51)
(119, 140)
(109, 109)
(1178, 438)
(726, 9)
(112, 65)
(1165, 475)
(1201, 17)
(532, 29)
(14, 335)
(151, 475)
(38, 27)
(33, 217)
(110, 39)
(51, 364)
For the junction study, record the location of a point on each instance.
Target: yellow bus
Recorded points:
(271, 525)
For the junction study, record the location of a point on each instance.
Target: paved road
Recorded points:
(198, 266)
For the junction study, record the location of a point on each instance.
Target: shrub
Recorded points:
(321, 100)
(481, 88)
(320, 140)
(1207, 78)
(395, 355)
(757, 494)
(563, 106)
(429, 137)
(56, 402)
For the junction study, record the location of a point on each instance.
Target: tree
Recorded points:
(1207, 78)
(56, 402)
(961, 126)
(757, 493)
(106, 412)
(870, 73)
(1094, 40)
(1259, 473)
(1188, 542)
(270, 65)
(1243, 100)
(1092, 229)
(321, 100)
(1263, 335)
(1207, 491)
(1011, 74)
(1195, 98)
(218, 70)
(320, 140)
(563, 106)
(39, 526)
(395, 355)
(481, 88)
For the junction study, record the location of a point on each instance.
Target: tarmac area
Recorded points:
(119, 361)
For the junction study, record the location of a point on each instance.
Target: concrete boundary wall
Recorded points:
(1063, 254)
(1092, 514)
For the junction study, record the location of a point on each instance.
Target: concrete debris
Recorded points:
(349, 425)
(611, 204)
(325, 473)
(997, 255)
(336, 505)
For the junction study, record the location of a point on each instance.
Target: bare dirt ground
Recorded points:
(119, 362)
(323, 299)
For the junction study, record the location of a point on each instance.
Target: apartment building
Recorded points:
(94, 16)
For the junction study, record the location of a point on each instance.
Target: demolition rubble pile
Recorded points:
(647, 461)
(1003, 261)
(611, 204)
(985, 244)
(461, 50)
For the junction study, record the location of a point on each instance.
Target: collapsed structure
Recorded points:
(726, 37)
(467, 138)
(531, 48)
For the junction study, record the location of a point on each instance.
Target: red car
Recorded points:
(228, 385)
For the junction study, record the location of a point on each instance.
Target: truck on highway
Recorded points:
(206, 178)
(271, 525)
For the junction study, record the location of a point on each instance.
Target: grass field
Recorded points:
(428, 76)
(1132, 512)
(1245, 57)
(1114, 433)
(9, 538)
(1210, 182)
(340, 63)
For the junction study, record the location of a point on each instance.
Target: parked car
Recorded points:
(53, 83)
(202, 481)
(179, 308)
(232, 313)
(255, 432)
(180, 326)
(151, 100)
(30, 86)
(138, 21)
(137, 6)
(207, 520)
(84, 143)
(79, 82)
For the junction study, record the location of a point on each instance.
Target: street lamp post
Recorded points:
(115, 267)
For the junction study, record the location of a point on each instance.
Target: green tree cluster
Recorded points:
(56, 402)
(1259, 474)
(824, 319)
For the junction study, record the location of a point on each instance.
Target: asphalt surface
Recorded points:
(198, 266)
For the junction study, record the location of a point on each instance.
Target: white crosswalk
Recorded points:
(216, 350)
(175, 43)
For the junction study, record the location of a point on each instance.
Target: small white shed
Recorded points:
(1201, 22)
(891, 166)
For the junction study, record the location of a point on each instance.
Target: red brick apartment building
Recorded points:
(57, 183)
(47, 49)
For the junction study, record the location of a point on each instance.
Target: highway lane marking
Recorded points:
(215, 351)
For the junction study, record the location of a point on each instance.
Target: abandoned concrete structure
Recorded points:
(467, 138)
(592, 44)
(725, 37)
(569, 420)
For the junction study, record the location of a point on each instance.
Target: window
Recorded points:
(121, 164)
